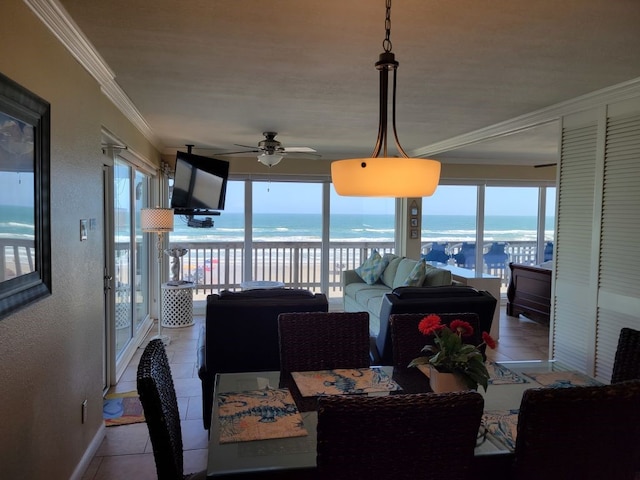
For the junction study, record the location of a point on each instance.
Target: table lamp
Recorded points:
(159, 221)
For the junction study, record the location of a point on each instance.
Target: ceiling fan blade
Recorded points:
(252, 147)
(543, 165)
(242, 151)
(299, 150)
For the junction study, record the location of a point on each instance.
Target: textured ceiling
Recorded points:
(215, 73)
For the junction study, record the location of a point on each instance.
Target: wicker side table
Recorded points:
(177, 305)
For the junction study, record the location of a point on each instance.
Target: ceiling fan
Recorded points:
(271, 150)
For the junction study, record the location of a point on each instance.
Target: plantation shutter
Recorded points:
(619, 259)
(573, 316)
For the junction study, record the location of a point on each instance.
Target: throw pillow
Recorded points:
(372, 268)
(416, 277)
(436, 277)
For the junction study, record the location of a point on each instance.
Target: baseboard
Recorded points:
(89, 453)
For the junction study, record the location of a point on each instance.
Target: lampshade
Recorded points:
(384, 176)
(157, 220)
(270, 159)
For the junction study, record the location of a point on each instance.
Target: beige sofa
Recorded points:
(360, 296)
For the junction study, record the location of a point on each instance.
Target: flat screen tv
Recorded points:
(199, 185)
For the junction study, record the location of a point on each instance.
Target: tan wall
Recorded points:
(51, 351)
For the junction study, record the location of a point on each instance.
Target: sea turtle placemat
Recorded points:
(258, 415)
(503, 425)
(344, 381)
(562, 379)
(501, 375)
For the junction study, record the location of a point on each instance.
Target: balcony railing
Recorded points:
(217, 266)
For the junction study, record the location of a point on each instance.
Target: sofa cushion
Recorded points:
(389, 274)
(372, 268)
(436, 277)
(266, 293)
(417, 275)
(362, 292)
(404, 269)
(406, 293)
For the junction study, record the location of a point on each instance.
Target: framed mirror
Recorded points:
(25, 225)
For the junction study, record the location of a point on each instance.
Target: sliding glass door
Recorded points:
(130, 276)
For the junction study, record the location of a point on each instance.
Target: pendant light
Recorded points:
(384, 176)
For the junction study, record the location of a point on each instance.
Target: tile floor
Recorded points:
(126, 451)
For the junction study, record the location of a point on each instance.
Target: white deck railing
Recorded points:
(217, 266)
(17, 258)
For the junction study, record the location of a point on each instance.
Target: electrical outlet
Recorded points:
(84, 410)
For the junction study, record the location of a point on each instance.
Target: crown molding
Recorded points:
(615, 93)
(58, 21)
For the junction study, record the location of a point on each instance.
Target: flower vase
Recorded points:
(445, 382)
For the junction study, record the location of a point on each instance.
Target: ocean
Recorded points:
(358, 228)
(15, 223)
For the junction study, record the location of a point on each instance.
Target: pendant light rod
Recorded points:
(385, 64)
(384, 176)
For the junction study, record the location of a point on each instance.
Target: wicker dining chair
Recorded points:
(590, 433)
(626, 364)
(158, 398)
(407, 341)
(323, 340)
(426, 436)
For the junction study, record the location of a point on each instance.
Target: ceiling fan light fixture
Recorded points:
(270, 159)
(384, 176)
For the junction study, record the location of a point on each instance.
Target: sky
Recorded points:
(275, 197)
(17, 189)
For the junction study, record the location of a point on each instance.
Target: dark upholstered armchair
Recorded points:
(626, 365)
(323, 341)
(241, 333)
(590, 433)
(430, 300)
(408, 342)
(160, 405)
(398, 436)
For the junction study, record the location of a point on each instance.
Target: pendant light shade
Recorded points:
(385, 176)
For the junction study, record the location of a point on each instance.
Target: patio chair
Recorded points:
(407, 341)
(588, 433)
(437, 253)
(548, 252)
(323, 340)
(496, 257)
(466, 257)
(158, 398)
(626, 364)
(430, 436)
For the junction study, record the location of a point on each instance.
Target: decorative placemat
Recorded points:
(503, 425)
(501, 375)
(122, 409)
(344, 381)
(498, 374)
(562, 379)
(258, 415)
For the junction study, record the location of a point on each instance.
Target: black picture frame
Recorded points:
(25, 120)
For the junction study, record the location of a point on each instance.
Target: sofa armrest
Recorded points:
(201, 353)
(350, 276)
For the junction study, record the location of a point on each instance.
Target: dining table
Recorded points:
(294, 451)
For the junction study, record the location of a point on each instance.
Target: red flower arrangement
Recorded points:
(450, 354)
